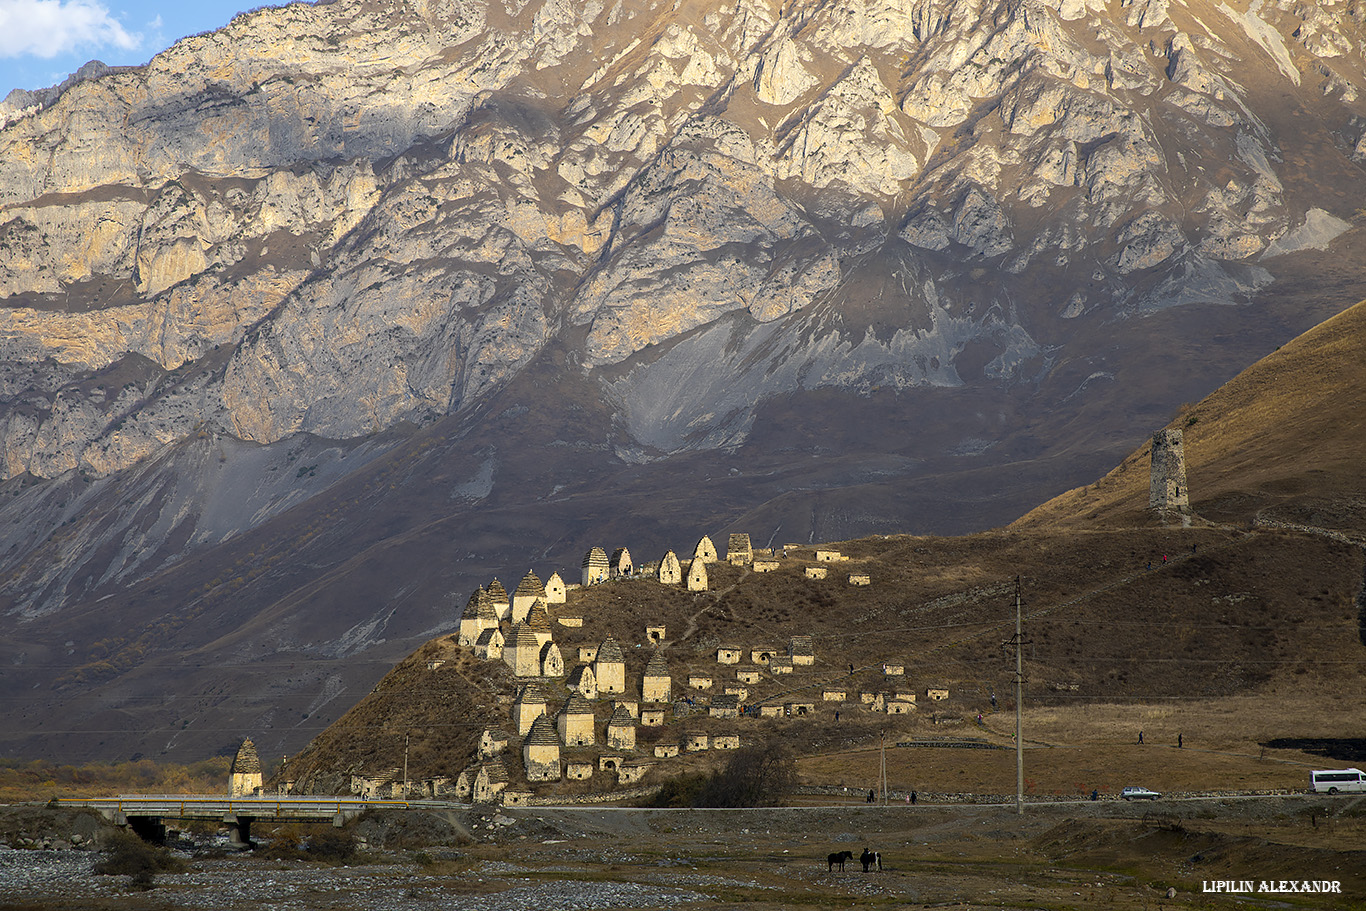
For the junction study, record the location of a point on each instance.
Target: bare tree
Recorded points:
(761, 775)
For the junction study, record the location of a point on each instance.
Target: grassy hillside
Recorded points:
(1262, 614)
(1282, 441)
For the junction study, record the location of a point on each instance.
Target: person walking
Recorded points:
(1140, 738)
(1179, 741)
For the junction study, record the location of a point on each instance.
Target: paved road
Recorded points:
(192, 806)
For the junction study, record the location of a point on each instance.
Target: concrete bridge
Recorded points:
(143, 813)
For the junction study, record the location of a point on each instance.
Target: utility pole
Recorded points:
(1019, 702)
(884, 768)
(405, 766)
(1018, 643)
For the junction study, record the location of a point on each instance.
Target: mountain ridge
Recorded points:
(502, 281)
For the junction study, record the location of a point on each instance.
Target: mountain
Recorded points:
(318, 320)
(1256, 597)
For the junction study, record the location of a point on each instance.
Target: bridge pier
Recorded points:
(239, 831)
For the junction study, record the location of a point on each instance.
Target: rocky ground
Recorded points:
(1105, 854)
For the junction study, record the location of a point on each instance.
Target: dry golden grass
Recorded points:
(38, 779)
(1073, 749)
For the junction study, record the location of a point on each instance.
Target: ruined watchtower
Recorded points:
(739, 551)
(1167, 494)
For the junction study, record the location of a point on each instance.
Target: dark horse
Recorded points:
(867, 858)
(839, 858)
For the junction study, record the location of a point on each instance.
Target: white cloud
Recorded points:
(46, 28)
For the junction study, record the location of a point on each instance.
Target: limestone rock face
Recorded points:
(371, 222)
(780, 75)
(850, 137)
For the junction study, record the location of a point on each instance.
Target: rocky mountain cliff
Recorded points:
(341, 308)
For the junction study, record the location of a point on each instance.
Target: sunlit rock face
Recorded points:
(331, 220)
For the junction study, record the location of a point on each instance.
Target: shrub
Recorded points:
(679, 791)
(331, 846)
(127, 855)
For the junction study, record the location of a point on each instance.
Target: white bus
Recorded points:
(1334, 780)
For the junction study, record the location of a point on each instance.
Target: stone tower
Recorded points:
(541, 751)
(528, 592)
(609, 667)
(670, 570)
(554, 589)
(529, 705)
(739, 551)
(656, 684)
(595, 566)
(244, 776)
(1167, 493)
(621, 730)
(697, 575)
(498, 596)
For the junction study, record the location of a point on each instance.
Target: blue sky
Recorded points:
(43, 41)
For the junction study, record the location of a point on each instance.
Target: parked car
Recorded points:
(1136, 793)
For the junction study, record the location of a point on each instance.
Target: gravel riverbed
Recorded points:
(65, 879)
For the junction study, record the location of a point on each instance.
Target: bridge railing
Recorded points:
(186, 806)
